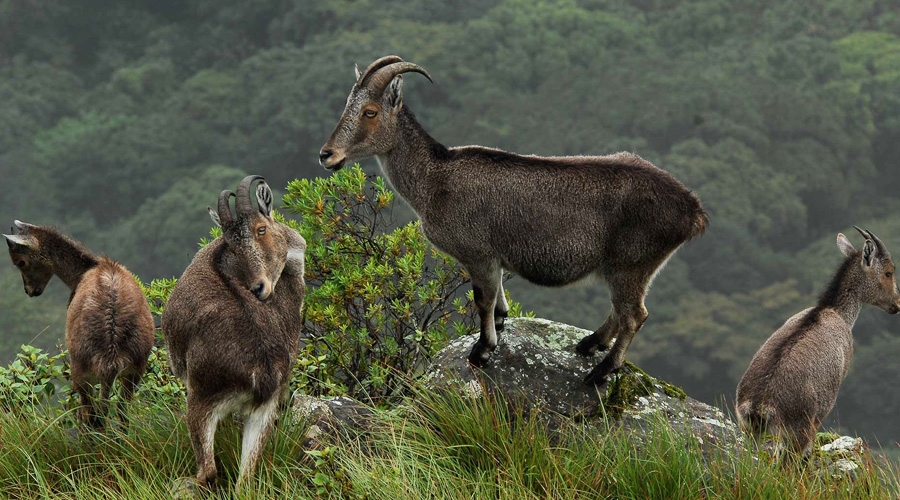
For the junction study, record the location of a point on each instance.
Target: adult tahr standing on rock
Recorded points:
(232, 325)
(109, 327)
(552, 220)
(792, 382)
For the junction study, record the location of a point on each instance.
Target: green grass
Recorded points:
(439, 446)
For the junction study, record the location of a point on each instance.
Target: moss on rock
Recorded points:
(671, 390)
(624, 390)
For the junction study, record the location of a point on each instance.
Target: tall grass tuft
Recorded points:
(438, 445)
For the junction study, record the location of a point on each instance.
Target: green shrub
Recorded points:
(379, 302)
(32, 380)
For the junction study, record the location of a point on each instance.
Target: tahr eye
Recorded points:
(261, 231)
(370, 113)
(21, 263)
(889, 274)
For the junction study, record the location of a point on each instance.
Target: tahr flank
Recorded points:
(552, 220)
(232, 325)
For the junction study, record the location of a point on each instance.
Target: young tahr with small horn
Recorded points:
(792, 382)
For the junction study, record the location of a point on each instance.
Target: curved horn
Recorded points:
(381, 78)
(242, 202)
(375, 66)
(224, 209)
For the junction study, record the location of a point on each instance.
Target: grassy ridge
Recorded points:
(446, 446)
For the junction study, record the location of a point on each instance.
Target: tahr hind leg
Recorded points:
(601, 339)
(129, 382)
(628, 291)
(88, 415)
(202, 420)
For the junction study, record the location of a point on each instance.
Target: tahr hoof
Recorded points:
(499, 322)
(589, 346)
(480, 354)
(599, 376)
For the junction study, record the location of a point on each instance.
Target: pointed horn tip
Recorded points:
(425, 74)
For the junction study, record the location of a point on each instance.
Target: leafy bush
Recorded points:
(32, 380)
(379, 303)
(157, 293)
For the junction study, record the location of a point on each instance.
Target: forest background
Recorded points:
(121, 121)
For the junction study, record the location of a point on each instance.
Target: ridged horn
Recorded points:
(242, 202)
(224, 208)
(375, 66)
(382, 77)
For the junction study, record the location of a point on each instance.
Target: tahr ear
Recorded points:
(18, 240)
(844, 245)
(395, 91)
(868, 253)
(214, 216)
(265, 199)
(357, 71)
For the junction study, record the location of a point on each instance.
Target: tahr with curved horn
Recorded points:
(232, 325)
(552, 220)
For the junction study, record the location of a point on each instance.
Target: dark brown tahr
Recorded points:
(232, 325)
(793, 380)
(552, 220)
(109, 327)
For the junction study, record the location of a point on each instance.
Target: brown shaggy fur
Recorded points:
(109, 327)
(232, 327)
